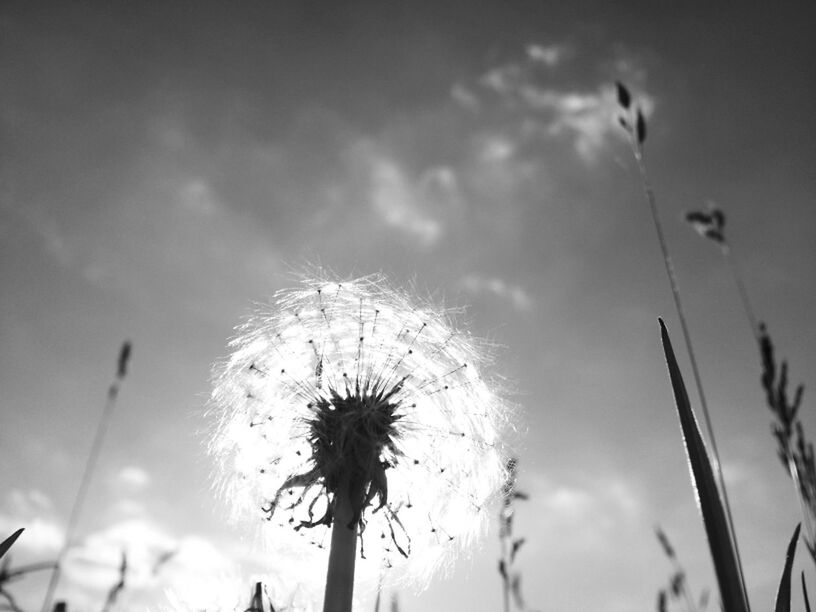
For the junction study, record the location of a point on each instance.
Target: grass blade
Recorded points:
(726, 566)
(804, 593)
(783, 594)
(9, 541)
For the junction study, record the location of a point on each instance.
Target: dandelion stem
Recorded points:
(670, 273)
(342, 554)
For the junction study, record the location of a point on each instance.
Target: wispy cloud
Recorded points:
(587, 513)
(417, 205)
(465, 97)
(549, 55)
(393, 199)
(586, 117)
(133, 477)
(32, 510)
(41, 536)
(525, 89)
(516, 295)
(189, 572)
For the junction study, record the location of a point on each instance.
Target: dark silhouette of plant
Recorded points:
(678, 589)
(90, 465)
(353, 413)
(633, 121)
(256, 604)
(793, 449)
(511, 580)
(119, 586)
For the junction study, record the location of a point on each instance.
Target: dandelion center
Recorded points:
(356, 385)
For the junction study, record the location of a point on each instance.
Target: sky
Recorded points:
(164, 166)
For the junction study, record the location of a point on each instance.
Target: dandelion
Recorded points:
(357, 418)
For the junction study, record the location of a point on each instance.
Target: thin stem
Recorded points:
(82, 492)
(686, 588)
(746, 303)
(32, 567)
(505, 575)
(670, 273)
(342, 554)
(755, 329)
(12, 603)
(797, 483)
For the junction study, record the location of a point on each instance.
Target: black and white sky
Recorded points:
(164, 165)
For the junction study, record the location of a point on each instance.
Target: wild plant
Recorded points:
(355, 415)
(633, 121)
(87, 475)
(678, 590)
(793, 449)
(510, 545)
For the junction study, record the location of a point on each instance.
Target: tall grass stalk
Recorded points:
(87, 475)
(9, 575)
(511, 580)
(679, 587)
(796, 458)
(634, 123)
(711, 225)
(746, 303)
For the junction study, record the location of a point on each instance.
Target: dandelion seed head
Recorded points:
(356, 382)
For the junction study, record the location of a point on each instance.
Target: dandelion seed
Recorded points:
(349, 402)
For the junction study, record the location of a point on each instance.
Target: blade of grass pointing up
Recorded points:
(726, 566)
(804, 594)
(783, 594)
(9, 541)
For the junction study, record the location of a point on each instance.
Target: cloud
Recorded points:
(464, 97)
(495, 148)
(421, 206)
(550, 55)
(589, 117)
(550, 111)
(32, 510)
(582, 514)
(393, 199)
(503, 80)
(514, 294)
(133, 478)
(188, 572)
(191, 569)
(40, 536)
(29, 502)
